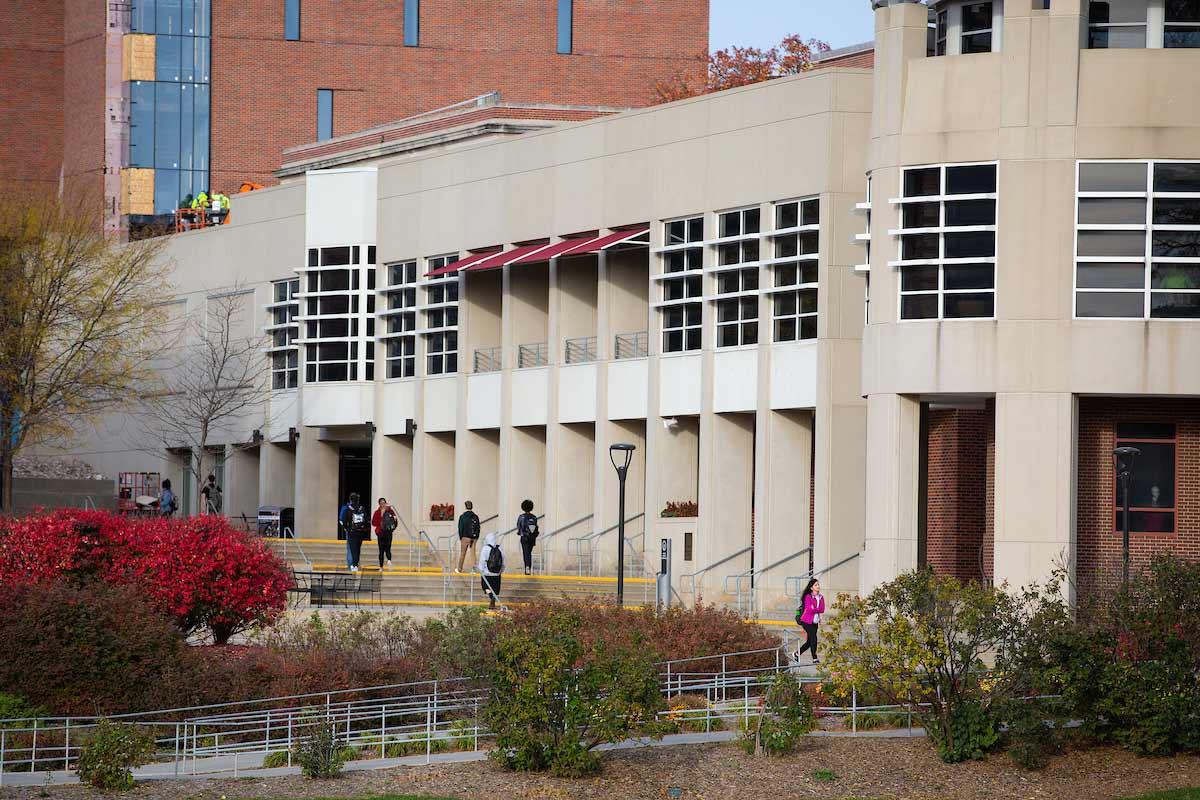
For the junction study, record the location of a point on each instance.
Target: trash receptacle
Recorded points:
(276, 521)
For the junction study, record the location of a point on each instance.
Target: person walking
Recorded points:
(211, 496)
(491, 567)
(385, 520)
(167, 504)
(354, 522)
(527, 529)
(812, 606)
(468, 534)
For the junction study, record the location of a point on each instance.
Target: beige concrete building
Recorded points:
(1018, 183)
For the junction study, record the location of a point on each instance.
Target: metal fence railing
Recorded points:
(631, 345)
(536, 354)
(382, 722)
(487, 359)
(581, 350)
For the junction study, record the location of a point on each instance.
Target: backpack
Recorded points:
(358, 521)
(495, 560)
(473, 526)
(389, 523)
(529, 527)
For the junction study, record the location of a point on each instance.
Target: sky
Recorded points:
(762, 23)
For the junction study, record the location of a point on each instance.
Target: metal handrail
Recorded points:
(794, 580)
(449, 539)
(487, 359)
(631, 345)
(579, 541)
(754, 573)
(580, 350)
(290, 536)
(534, 354)
(691, 576)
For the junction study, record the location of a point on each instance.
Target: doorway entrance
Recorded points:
(354, 475)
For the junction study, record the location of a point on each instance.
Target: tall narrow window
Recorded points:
(566, 13)
(1152, 489)
(682, 284)
(291, 20)
(977, 28)
(794, 268)
(324, 114)
(412, 23)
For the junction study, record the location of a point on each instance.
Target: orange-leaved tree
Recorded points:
(740, 66)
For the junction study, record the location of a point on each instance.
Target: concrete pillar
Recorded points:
(392, 475)
(781, 524)
(728, 501)
(277, 474)
(241, 483)
(527, 472)
(570, 487)
(893, 478)
(1035, 485)
(316, 486)
(477, 462)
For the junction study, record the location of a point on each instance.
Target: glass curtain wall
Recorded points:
(169, 116)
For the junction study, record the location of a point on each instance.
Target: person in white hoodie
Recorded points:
(491, 567)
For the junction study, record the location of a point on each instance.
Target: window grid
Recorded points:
(682, 309)
(1128, 265)
(284, 331)
(976, 28)
(1149, 511)
(864, 268)
(794, 270)
(338, 319)
(398, 319)
(737, 276)
(947, 241)
(440, 312)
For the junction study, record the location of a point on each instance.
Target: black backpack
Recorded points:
(389, 523)
(358, 522)
(495, 560)
(529, 527)
(473, 525)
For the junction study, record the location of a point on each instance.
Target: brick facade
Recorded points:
(959, 479)
(1099, 546)
(31, 94)
(264, 88)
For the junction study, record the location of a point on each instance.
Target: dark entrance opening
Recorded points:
(354, 475)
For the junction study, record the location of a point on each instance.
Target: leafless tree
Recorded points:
(213, 385)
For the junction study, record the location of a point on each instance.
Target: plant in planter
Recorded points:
(681, 508)
(441, 512)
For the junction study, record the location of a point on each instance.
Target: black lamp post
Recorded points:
(1123, 458)
(626, 452)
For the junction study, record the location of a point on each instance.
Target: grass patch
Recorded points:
(823, 775)
(1174, 794)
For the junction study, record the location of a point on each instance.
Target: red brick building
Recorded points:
(150, 100)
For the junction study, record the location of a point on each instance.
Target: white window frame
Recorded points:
(1147, 259)
(406, 335)
(954, 27)
(687, 276)
(864, 239)
(941, 262)
(289, 307)
(431, 335)
(746, 322)
(799, 262)
(359, 315)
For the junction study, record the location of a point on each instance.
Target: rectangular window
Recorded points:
(948, 242)
(681, 308)
(440, 317)
(412, 23)
(1137, 246)
(324, 114)
(398, 319)
(1152, 488)
(291, 20)
(793, 293)
(338, 319)
(941, 28)
(566, 13)
(1116, 24)
(284, 331)
(976, 28)
(1182, 23)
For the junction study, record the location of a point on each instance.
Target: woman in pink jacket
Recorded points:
(812, 606)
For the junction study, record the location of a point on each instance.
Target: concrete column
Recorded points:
(1035, 485)
(277, 474)
(893, 477)
(392, 474)
(316, 486)
(781, 524)
(241, 482)
(726, 501)
(570, 487)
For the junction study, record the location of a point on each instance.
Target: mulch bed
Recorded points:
(863, 768)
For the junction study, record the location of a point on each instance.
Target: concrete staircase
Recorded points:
(418, 580)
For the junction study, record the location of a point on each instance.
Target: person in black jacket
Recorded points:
(468, 533)
(527, 529)
(357, 526)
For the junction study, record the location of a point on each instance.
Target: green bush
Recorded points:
(276, 760)
(111, 753)
(320, 754)
(1031, 738)
(553, 701)
(784, 717)
(15, 707)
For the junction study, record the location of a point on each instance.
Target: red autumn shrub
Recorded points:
(201, 572)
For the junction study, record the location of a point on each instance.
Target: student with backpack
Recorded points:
(491, 568)
(167, 504)
(385, 520)
(358, 529)
(527, 529)
(808, 616)
(468, 533)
